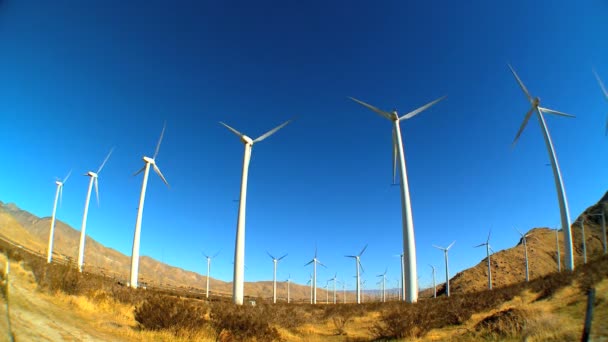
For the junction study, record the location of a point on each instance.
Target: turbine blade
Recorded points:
(140, 170)
(282, 257)
(162, 133)
(105, 160)
(361, 266)
(421, 109)
(65, 179)
(320, 263)
(270, 255)
(523, 125)
(439, 247)
(363, 250)
(490, 233)
(272, 131)
(521, 84)
(237, 133)
(97, 190)
(206, 256)
(394, 157)
(310, 262)
(551, 111)
(481, 244)
(520, 233)
(450, 246)
(216, 254)
(160, 174)
(599, 80)
(378, 111)
(350, 256)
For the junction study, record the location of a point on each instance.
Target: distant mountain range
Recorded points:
(31, 232)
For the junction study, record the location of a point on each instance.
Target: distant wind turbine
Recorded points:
(488, 248)
(582, 223)
(310, 282)
(524, 238)
(402, 280)
(409, 242)
(559, 257)
(447, 268)
(314, 261)
(94, 179)
(603, 224)
(288, 294)
(559, 184)
(359, 268)
(209, 270)
(140, 210)
(334, 279)
(383, 282)
(599, 80)
(434, 284)
(238, 284)
(58, 197)
(275, 261)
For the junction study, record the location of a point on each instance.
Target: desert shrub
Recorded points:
(287, 316)
(402, 321)
(241, 323)
(548, 285)
(159, 312)
(593, 273)
(506, 323)
(341, 315)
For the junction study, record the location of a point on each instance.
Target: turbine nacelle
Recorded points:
(91, 174)
(149, 160)
(246, 140)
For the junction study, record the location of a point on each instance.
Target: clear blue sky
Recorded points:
(78, 77)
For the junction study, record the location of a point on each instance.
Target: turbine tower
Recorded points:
(238, 284)
(310, 282)
(209, 270)
(288, 281)
(524, 238)
(275, 261)
(409, 242)
(603, 224)
(58, 196)
(83, 235)
(314, 263)
(559, 184)
(605, 96)
(488, 248)
(434, 284)
(383, 282)
(140, 209)
(447, 268)
(559, 257)
(359, 267)
(582, 223)
(334, 279)
(402, 280)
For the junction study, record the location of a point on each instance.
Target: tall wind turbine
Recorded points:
(383, 282)
(140, 209)
(409, 242)
(58, 196)
(359, 268)
(314, 263)
(559, 184)
(599, 80)
(238, 284)
(488, 248)
(334, 279)
(559, 257)
(447, 268)
(275, 261)
(524, 238)
(209, 270)
(83, 235)
(402, 280)
(434, 284)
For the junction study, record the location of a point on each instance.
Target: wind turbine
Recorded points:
(559, 257)
(58, 196)
(383, 282)
(310, 282)
(559, 184)
(334, 279)
(83, 235)
(402, 280)
(288, 281)
(238, 284)
(409, 242)
(359, 267)
(488, 248)
(209, 269)
(275, 261)
(447, 268)
(605, 94)
(314, 261)
(603, 223)
(326, 287)
(524, 238)
(140, 209)
(582, 223)
(434, 284)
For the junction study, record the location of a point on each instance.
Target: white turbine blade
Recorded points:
(237, 133)
(421, 109)
(320, 263)
(490, 233)
(282, 257)
(310, 262)
(378, 111)
(206, 256)
(599, 80)
(350, 256)
(65, 179)
(394, 156)
(96, 190)
(139, 171)
(272, 131)
(216, 254)
(439, 247)
(482, 244)
(520, 233)
(363, 250)
(361, 266)
(523, 125)
(160, 174)
(270, 255)
(450, 246)
(105, 161)
(162, 133)
(521, 84)
(551, 111)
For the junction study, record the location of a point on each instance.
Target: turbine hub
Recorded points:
(91, 174)
(247, 140)
(149, 160)
(395, 115)
(536, 101)
(58, 183)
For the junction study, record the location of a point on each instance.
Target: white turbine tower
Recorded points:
(94, 179)
(488, 249)
(209, 270)
(383, 283)
(334, 279)
(402, 280)
(447, 268)
(599, 80)
(409, 242)
(140, 209)
(524, 238)
(238, 284)
(359, 268)
(559, 257)
(275, 261)
(603, 224)
(559, 184)
(58, 197)
(434, 284)
(314, 263)
(582, 223)
(288, 294)
(310, 282)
